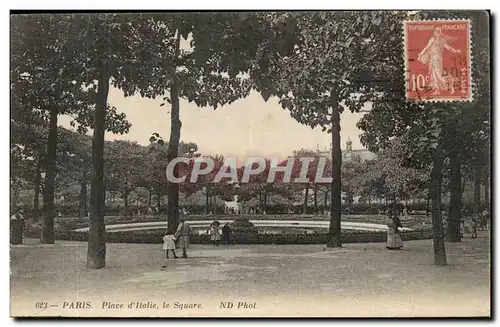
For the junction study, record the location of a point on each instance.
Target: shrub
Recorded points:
(242, 227)
(242, 222)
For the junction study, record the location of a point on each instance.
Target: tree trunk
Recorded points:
(125, 198)
(265, 202)
(306, 197)
(395, 211)
(477, 191)
(260, 201)
(210, 204)
(369, 200)
(207, 202)
(334, 239)
(47, 234)
(83, 196)
(15, 189)
(437, 221)
(125, 202)
(325, 200)
(315, 199)
(349, 202)
(173, 147)
(455, 209)
(487, 189)
(150, 195)
(96, 252)
(427, 205)
(158, 201)
(36, 198)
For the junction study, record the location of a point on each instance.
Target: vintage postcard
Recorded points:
(250, 164)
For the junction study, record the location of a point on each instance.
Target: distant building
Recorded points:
(349, 154)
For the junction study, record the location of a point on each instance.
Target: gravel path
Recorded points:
(282, 280)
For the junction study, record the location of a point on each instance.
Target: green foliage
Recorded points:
(335, 50)
(389, 173)
(432, 129)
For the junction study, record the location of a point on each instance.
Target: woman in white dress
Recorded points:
(168, 245)
(394, 241)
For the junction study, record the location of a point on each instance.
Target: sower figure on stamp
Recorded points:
(182, 236)
(432, 55)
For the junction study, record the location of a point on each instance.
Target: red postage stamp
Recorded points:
(438, 61)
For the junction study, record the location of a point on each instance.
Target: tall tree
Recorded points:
(96, 47)
(37, 61)
(326, 73)
(222, 46)
(467, 126)
(123, 165)
(431, 132)
(39, 58)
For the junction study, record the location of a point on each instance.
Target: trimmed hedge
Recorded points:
(155, 237)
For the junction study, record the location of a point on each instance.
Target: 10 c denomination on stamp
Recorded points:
(438, 60)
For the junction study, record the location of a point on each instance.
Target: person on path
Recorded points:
(182, 236)
(169, 245)
(214, 233)
(17, 226)
(231, 233)
(474, 228)
(394, 241)
(462, 229)
(226, 234)
(484, 220)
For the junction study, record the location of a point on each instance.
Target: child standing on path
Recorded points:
(474, 228)
(215, 233)
(169, 245)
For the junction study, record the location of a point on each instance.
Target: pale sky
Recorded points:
(248, 127)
